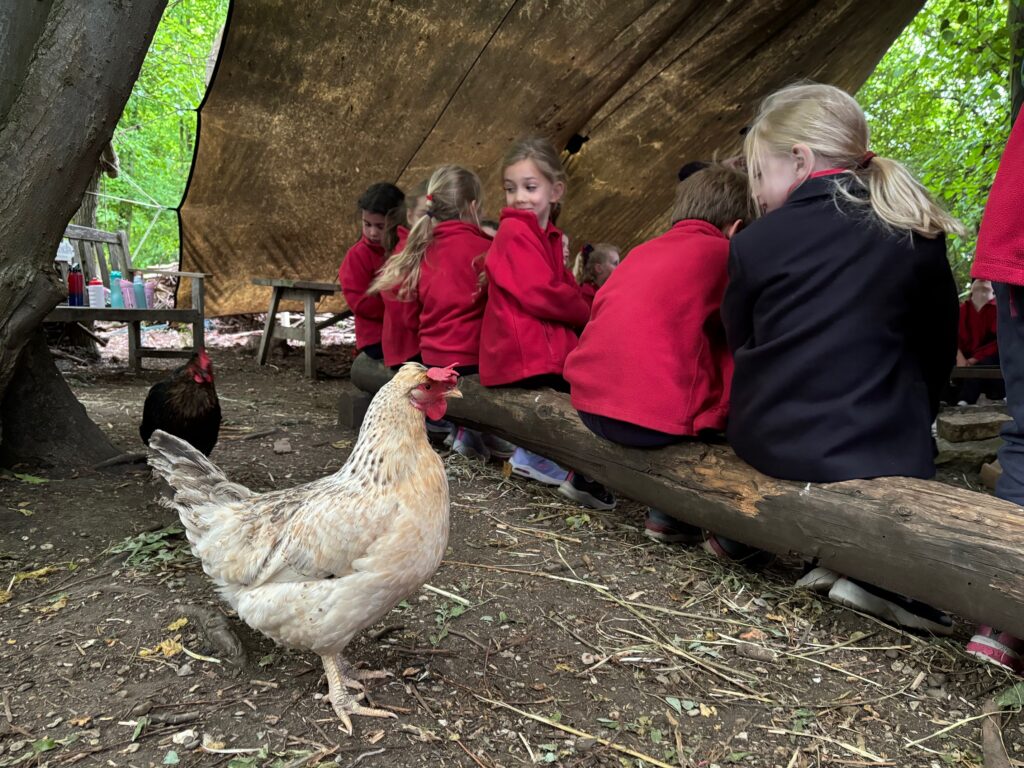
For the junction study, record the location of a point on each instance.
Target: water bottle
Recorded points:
(150, 292)
(96, 291)
(76, 287)
(140, 291)
(116, 299)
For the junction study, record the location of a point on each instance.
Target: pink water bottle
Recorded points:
(150, 292)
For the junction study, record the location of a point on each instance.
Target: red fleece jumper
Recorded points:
(451, 296)
(588, 291)
(400, 335)
(533, 303)
(999, 255)
(654, 353)
(355, 274)
(976, 334)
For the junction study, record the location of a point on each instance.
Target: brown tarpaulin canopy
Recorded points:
(313, 101)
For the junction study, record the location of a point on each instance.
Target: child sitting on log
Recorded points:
(379, 202)
(400, 337)
(977, 344)
(533, 302)
(652, 367)
(841, 313)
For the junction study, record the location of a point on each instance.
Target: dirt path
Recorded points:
(558, 635)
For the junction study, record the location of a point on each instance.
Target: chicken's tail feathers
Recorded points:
(195, 479)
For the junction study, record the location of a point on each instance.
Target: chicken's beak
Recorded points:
(454, 392)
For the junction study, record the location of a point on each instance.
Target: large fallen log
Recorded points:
(956, 549)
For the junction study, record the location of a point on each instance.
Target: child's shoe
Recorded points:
(818, 579)
(587, 492)
(439, 432)
(753, 558)
(667, 530)
(535, 467)
(890, 607)
(499, 449)
(999, 648)
(470, 444)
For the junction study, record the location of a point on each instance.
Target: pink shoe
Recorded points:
(999, 648)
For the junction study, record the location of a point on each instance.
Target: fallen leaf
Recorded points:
(5, 595)
(81, 722)
(31, 479)
(37, 574)
(707, 711)
(169, 647)
(26, 512)
(56, 605)
(340, 444)
(177, 624)
(753, 635)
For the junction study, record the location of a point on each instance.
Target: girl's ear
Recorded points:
(733, 228)
(557, 190)
(803, 161)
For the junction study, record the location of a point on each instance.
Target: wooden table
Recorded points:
(309, 293)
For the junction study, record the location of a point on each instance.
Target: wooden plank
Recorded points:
(304, 285)
(154, 352)
(957, 549)
(977, 372)
(310, 336)
(122, 254)
(270, 326)
(77, 232)
(101, 263)
(65, 314)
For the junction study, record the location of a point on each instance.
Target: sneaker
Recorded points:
(500, 449)
(470, 444)
(999, 648)
(587, 492)
(817, 579)
(890, 607)
(439, 431)
(535, 467)
(728, 549)
(668, 530)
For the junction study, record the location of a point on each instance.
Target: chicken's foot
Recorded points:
(339, 676)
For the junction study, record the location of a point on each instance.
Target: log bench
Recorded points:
(957, 549)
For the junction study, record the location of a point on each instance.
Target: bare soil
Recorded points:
(554, 634)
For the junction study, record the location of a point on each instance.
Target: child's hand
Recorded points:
(961, 361)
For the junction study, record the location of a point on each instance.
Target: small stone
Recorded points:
(935, 693)
(282, 446)
(121, 694)
(185, 670)
(937, 680)
(25, 686)
(583, 745)
(892, 653)
(896, 666)
(46, 547)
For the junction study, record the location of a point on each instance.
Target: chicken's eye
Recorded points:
(426, 386)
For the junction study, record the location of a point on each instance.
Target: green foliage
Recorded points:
(939, 101)
(155, 137)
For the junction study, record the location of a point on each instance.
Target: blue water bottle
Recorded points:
(139, 289)
(116, 299)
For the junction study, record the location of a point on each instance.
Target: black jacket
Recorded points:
(844, 335)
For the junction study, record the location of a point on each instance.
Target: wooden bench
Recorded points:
(309, 292)
(977, 372)
(956, 549)
(100, 253)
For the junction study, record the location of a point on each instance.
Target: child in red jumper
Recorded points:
(439, 269)
(533, 301)
(362, 261)
(593, 266)
(976, 342)
(667, 293)
(400, 336)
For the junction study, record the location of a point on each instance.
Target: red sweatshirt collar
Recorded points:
(530, 219)
(697, 225)
(375, 247)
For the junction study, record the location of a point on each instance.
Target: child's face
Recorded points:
(417, 211)
(373, 226)
(565, 247)
(527, 189)
(982, 292)
(773, 181)
(604, 270)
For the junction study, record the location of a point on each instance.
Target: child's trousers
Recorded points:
(1010, 330)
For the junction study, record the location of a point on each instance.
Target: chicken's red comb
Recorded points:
(446, 375)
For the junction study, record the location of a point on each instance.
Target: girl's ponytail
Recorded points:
(900, 200)
(451, 194)
(579, 264)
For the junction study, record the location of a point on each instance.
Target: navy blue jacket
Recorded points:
(844, 335)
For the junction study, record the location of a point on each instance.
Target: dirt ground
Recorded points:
(552, 634)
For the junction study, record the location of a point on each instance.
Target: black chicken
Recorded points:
(185, 405)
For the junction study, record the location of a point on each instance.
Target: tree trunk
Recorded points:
(956, 549)
(60, 434)
(68, 68)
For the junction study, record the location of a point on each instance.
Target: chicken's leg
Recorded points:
(340, 675)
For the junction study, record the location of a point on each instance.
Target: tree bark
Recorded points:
(959, 550)
(60, 434)
(68, 69)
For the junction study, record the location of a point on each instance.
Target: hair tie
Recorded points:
(586, 251)
(430, 198)
(866, 160)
